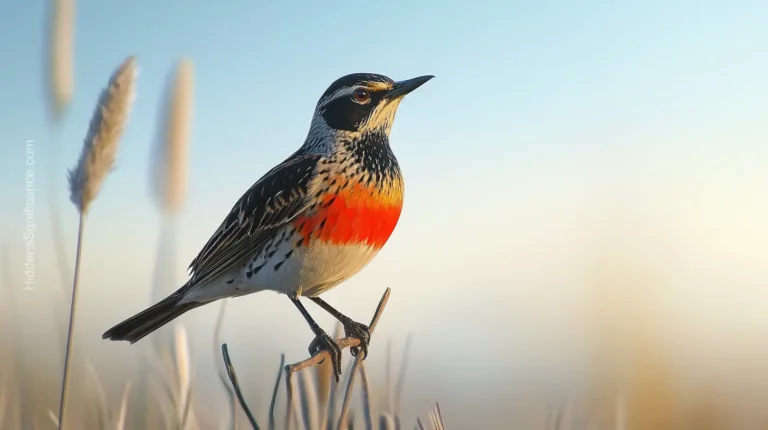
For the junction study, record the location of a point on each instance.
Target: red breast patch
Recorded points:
(353, 216)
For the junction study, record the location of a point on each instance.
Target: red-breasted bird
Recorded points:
(311, 222)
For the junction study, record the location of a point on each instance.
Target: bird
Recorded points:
(308, 224)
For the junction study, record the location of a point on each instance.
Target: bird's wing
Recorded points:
(275, 199)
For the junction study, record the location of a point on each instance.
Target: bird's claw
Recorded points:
(323, 342)
(361, 332)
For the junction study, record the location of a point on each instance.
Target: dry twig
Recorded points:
(348, 394)
(273, 402)
(236, 386)
(292, 368)
(346, 342)
(232, 401)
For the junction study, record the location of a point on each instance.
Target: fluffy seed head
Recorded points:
(100, 146)
(170, 164)
(60, 67)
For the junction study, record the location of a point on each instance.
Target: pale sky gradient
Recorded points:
(546, 120)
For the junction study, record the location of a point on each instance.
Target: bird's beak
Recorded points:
(400, 89)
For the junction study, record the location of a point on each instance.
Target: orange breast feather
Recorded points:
(355, 215)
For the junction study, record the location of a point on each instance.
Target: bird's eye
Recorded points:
(361, 95)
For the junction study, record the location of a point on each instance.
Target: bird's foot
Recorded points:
(323, 342)
(361, 332)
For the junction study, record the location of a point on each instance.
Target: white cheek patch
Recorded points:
(382, 116)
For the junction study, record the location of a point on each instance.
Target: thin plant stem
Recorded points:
(309, 403)
(388, 390)
(274, 393)
(366, 388)
(236, 386)
(348, 394)
(331, 408)
(71, 329)
(401, 376)
(289, 401)
(217, 341)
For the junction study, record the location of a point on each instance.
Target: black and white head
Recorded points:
(362, 103)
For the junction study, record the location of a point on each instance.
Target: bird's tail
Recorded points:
(145, 322)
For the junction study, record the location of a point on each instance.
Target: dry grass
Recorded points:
(102, 141)
(97, 159)
(61, 79)
(305, 402)
(174, 129)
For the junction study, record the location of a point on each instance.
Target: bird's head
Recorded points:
(363, 103)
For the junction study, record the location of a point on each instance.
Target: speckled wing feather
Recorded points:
(274, 200)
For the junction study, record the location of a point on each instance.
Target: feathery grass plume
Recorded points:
(170, 163)
(86, 179)
(169, 183)
(61, 31)
(101, 143)
(169, 179)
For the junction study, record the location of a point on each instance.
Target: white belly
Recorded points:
(280, 267)
(324, 266)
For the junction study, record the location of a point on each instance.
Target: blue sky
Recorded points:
(533, 101)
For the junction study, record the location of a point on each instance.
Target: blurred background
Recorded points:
(585, 223)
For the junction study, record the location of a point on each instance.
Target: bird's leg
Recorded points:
(351, 328)
(322, 341)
